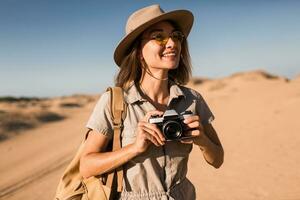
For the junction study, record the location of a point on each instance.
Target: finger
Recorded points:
(146, 131)
(192, 118)
(154, 135)
(151, 113)
(194, 124)
(155, 129)
(144, 135)
(193, 133)
(152, 139)
(187, 141)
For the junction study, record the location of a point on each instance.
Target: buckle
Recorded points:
(120, 126)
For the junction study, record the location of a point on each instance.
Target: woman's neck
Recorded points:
(157, 89)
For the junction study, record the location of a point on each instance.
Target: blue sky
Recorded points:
(64, 47)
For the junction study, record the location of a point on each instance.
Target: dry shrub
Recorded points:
(199, 80)
(70, 105)
(13, 123)
(10, 99)
(46, 116)
(76, 100)
(23, 113)
(217, 86)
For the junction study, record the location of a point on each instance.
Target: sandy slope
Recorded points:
(257, 122)
(39, 156)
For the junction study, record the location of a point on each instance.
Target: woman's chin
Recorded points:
(171, 64)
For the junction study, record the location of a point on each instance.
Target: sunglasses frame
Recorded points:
(166, 37)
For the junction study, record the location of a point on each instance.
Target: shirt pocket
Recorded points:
(178, 149)
(128, 135)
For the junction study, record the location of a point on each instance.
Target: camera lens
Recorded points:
(172, 130)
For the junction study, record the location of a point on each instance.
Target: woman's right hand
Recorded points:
(148, 133)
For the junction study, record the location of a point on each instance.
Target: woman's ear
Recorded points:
(140, 55)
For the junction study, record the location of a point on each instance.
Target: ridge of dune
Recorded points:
(243, 76)
(237, 81)
(255, 75)
(297, 78)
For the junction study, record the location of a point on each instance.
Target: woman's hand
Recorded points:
(148, 133)
(197, 133)
(206, 138)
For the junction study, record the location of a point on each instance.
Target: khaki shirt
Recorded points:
(160, 172)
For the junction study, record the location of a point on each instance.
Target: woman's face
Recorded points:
(157, 55)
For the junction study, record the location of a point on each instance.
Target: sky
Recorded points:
(61, 47)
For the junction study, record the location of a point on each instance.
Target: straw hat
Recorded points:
(145, 17)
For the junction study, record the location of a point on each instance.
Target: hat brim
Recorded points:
(182, 18)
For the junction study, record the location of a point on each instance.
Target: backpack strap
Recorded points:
(118, 113)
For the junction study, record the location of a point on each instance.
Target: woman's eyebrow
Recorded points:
(155, 30)
(159, 30)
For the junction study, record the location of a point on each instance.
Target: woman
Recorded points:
(154, 62)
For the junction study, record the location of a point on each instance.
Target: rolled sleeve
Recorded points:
(100, 119)
(203, 110)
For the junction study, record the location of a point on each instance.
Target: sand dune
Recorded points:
(256, 119)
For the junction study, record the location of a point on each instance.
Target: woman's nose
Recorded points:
(171, 43)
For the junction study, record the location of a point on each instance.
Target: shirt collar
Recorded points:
(132, 95)
(175, 91)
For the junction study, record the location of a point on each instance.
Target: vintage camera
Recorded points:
(171, 124)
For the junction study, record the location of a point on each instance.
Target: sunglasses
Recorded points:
(162, 38)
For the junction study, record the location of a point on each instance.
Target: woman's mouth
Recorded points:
(170, 54)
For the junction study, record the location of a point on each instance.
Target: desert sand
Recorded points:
(257, 120)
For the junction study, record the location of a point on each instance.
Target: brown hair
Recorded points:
(131, 67)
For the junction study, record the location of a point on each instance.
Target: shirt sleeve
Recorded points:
(203, 110)
(100, 119)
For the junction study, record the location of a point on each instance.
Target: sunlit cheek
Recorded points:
(149, 49)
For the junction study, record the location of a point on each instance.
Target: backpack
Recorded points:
(72, 186)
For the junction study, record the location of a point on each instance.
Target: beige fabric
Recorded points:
(160, 172)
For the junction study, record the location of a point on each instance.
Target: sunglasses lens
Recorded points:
(162, 38)
(177, 36)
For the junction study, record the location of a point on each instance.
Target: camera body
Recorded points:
(171, 124)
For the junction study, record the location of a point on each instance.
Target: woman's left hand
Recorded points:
(197, 132)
